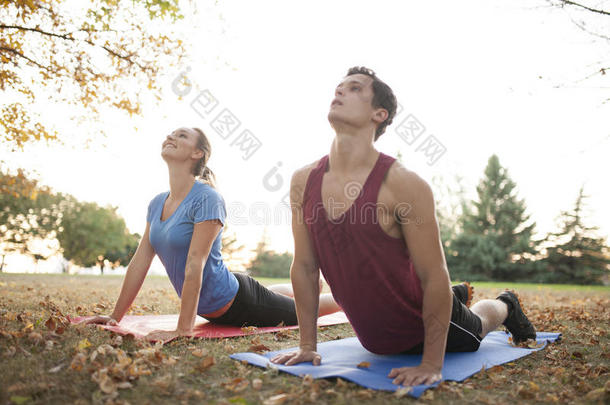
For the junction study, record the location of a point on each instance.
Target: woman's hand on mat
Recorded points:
(100, 320)
(411, 376)
(299, 356)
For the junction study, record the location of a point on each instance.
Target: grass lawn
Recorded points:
(88, 365)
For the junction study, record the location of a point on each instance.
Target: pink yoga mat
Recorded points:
(141, 325)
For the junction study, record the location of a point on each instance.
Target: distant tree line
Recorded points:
(85, 233)
(491, 238)
(488, 239)
(268, 263)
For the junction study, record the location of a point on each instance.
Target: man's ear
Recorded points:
(380, 115)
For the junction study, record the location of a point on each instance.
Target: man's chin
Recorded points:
(333, 116)
(335, 119)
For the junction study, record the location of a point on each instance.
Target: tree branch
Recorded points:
(69, 37)
(38, 30)
(594, 10)
(11, 50)
(582, 27)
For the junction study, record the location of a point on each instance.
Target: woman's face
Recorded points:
(181, 145)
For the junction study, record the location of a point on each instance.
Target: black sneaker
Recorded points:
(464, 292)
(516, 322)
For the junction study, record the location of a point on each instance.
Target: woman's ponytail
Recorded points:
(201, 169)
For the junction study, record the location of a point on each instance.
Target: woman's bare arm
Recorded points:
(136, 272)
(204, 234)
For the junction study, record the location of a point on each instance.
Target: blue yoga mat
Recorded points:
(341, 357)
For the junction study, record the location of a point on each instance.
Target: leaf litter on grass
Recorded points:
(51, 360)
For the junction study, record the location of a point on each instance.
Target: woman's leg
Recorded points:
(327, 302)
(286, 289)
(256, 305)
(327, 305)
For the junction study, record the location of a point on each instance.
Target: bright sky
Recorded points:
(482, 77)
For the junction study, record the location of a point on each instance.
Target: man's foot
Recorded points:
(516, 322)
(464, 292)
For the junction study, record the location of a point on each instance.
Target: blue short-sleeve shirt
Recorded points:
(171, 240)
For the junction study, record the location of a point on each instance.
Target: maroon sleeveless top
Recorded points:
(370, 273)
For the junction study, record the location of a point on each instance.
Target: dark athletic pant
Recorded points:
(464, 333)
(256, 305)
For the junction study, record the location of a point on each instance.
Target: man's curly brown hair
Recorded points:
(383, 97)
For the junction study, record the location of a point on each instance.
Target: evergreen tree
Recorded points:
(495, 242)
(268, 263)
(231, 249)
(578, 256)
(449, 202)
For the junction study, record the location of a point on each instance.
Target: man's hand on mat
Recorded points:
(411, 376)
(100, 320)
(299, 356)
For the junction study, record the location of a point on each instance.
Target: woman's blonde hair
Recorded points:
(200, 169)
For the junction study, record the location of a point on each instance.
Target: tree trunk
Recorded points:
(2, 265)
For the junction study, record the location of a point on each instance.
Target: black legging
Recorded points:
(464, 334)
(256, 305)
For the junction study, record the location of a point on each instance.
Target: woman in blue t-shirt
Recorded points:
(184, 228)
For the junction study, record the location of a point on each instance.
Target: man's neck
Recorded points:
(350, 152)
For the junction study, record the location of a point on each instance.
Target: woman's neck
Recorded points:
(180, 183)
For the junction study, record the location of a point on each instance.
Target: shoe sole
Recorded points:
(469, 292)
(524, 314)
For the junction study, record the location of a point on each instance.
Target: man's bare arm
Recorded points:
(416, 214)
(305, 276)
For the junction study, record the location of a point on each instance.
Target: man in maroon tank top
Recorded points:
(369, 225)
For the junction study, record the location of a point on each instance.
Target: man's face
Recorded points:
(352, 104)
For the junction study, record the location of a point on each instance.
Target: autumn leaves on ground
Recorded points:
(46, 360)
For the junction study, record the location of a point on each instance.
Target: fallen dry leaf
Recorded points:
(307, 379)
(257, 384)
(56, 368)
(117, 341)
(237, 384)
(200, 352)
(78, 361)
(35, 337)
(105, 382)
(205, 363)
(50, 323)
(246, 330)
(364, 364)
(83, 344)
(276, 399)
(365, 394)
(164, 384)
(258, 348)
(10, 351)
(281, 335)
(401, 392)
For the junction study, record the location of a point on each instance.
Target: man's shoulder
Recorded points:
(300, 176)
(403, 181)
(298, 183)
